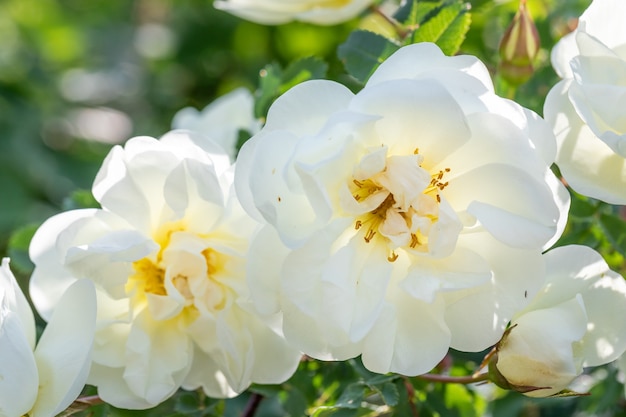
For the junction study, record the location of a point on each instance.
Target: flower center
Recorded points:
(400, 198)
(183, 270)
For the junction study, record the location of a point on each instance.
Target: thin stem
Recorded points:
(253, 404)
(90, 400)
(410, 390)
(446, 379)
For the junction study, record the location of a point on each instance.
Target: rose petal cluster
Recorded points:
(585, 109)
(574, 321)
(276, 12)
(42, 379)
(167, 254)
(222, 120)
(409, 217)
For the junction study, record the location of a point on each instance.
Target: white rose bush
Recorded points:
(425, 218)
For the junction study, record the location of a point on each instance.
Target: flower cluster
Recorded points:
(394, 224)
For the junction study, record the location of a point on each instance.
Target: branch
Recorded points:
(81, 404)
(446, 379)
(411, 395)
(253, 404)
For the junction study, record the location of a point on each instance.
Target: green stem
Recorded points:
(400, 30)
(446, 379)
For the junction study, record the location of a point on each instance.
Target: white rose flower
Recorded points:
(586, 107)
(413, 214)
(167, 252)
(575, 321)
(275, 12)
(43, 381)
(222, 119)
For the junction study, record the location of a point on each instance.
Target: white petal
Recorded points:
(277, 194)
(50, 278)
(517, 275)
(573, 270)
(541, 136)
(334, 15)
(416, 114)
(464, 268)
(114, 183)
(265, 261)
(193, 187)
(275, 360)
(407, 326)
(270, 12)
(222, 119)
(562, 54)
(605, 303)
(490, 146)
(16, 302)
(426, 60)
(113, 389)
(603, 20)
(205, 373)
(307, 117)
(63, 353)
(234, 354)
(588, 164)
(196, 147)
(19, 379)
(102, 248)
(153, 372)
(514, 206)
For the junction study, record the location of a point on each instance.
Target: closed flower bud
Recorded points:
(573, 322)
(519, 47)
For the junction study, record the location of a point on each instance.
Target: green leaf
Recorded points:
(270, 79)
(415, 12)
(324, 411)
(352, 396)
(615, 231)
(445, 25)
(80, 199)
(582, 207)
(390, 394)
(381, 379)
(458, 397)
(187, 403)
(310, 68)
(18, 248)
(275, 81)
(363, 52)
